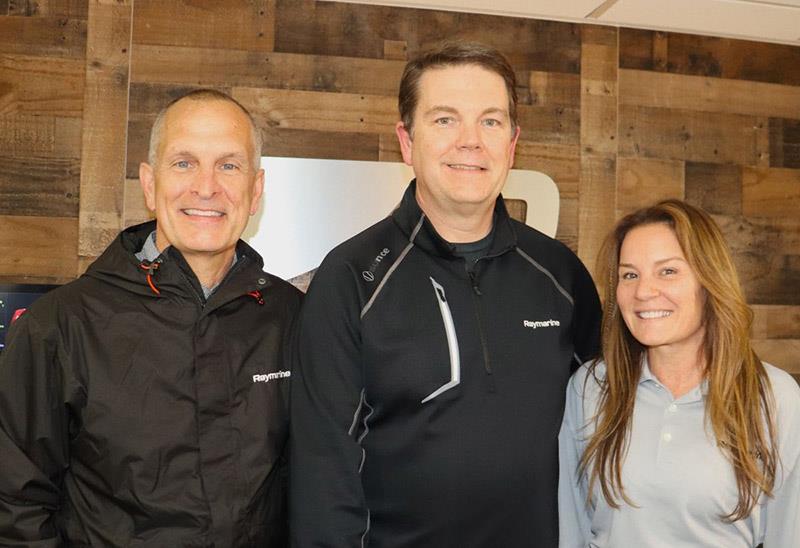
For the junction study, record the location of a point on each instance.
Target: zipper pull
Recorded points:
(474, 280)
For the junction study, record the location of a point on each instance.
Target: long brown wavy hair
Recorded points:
(739, 404)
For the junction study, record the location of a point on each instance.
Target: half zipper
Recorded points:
(476, 295)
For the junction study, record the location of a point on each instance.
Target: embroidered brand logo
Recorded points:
(368, 274)
(544, 323)
(272, 376)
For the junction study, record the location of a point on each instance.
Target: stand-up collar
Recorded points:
(408, 215)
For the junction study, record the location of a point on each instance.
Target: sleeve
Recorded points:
(327, 506)
(34, 437)
(782, 516)
(574, 519)
(588, 317)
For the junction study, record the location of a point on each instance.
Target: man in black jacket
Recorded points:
(146, 403)
(435, 346)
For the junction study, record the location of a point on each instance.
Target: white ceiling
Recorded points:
(762, 20)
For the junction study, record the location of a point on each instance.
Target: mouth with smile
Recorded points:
(205, 213)
(466, 167)
(653, 314)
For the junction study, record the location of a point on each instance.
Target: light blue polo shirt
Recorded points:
(679, 480)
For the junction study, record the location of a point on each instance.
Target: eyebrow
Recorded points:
(662, 261)
(446, 108)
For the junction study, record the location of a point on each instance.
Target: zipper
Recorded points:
(476, 295)
(452, 342)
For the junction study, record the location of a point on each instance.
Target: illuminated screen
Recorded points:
(14, 298)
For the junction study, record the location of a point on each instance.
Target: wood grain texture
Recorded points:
(717, 188)
(41, 85)
(48, 36)
(48, 8)
(319, 111)
(35, 186)
(134, 208)
(226, 67)
(41, 137)
(554, 88)
(599, 143)
(784, 143)
(688, 135)
(783, 353)
(709, 56)
(771, 192)
(235, 24)
(642, 182)
(776, 322)
(654, 89)
(39, 247)
(105, 123)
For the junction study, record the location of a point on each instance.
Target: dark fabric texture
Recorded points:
(129, 418)
(476, 465)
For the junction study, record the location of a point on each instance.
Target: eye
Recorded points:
(669, 271)
(628, 276)
(492, 122)
(229, 166)
(182, 164)
(444, 121)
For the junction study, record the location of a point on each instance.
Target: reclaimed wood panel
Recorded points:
(771, 192)
(235, 24)
(784, 146)
(599, 143)
(779, 235)
(35, 186)
(41, 85)
(642, 182)
(663, 90)
(320, 111)
(38, 247)
(783, 353)
(134, 209)
(227, 67)
(560, 162)
(689, 135)
(45, 8)
(554, 88)
(42, 137)
(46, 36)
(550, 124)
(105, 123)
(776, 322)
(717, 188)
(710, 56)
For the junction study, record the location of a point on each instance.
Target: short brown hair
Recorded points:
(450, 54)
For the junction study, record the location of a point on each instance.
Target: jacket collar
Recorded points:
(408, 216)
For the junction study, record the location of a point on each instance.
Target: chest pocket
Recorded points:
(452, 342)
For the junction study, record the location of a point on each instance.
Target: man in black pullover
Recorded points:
(435, 346)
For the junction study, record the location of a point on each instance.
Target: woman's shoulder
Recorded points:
(587, 380)
(784, 388)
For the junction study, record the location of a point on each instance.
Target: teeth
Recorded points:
(465, 167)
(203, 212)
(651, 314)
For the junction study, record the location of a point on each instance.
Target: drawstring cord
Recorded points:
(151, 268)
(256, 294)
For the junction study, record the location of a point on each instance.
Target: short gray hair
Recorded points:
(203, 95)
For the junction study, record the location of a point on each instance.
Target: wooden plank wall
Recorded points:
(618, 118)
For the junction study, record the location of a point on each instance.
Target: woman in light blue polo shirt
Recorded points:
(680, 436)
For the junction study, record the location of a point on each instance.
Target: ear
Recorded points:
(258, 190)
(404, 136)
(513, 147)
(148, 181)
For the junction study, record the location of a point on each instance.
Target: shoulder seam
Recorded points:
(547, 273)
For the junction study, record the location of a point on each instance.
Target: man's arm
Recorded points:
(34, 441)
(327, 507)
(587, 318)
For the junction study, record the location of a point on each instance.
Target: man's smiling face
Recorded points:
(462, 142)
(204, 185)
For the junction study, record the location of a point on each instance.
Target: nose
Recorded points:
(646, 288)
(205, 184)
(469, 137)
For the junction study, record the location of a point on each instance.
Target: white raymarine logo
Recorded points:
(543, 323)
(272, 376)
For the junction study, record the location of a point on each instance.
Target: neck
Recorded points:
(679, 370)
(468, 224)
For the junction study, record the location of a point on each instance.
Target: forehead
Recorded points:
(204, 124)
(650, 242)
(465, 86)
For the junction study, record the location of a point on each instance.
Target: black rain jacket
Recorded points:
(131, 418)
(427, 402)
